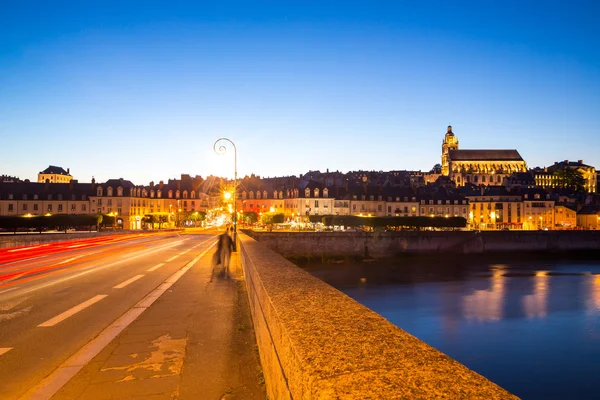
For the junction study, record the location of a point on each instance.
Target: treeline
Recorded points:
(56, 221)
(397, 222)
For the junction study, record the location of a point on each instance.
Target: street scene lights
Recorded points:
(220, 148)
(114, 216)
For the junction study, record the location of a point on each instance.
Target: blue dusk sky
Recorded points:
(142, 90)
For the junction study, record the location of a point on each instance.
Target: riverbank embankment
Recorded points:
(394, 244)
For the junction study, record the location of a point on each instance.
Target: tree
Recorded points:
(250, 217)
(437, 169)
(271, 218)
(569, 178)
(149, 219)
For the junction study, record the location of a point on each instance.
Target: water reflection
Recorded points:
(487, 304)
(593, 299)
(535, 305)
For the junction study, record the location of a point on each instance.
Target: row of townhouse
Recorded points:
(495, 207)
(486, 208)
(130, 203)
(310, 198)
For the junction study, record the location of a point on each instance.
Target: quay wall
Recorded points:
(390, 244)
(33, 239)
(317, 343)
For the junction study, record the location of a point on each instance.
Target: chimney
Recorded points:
(68, 171)
(566, 161)
(161, 184)
(580, 162)
(93, 183)
(151, 184)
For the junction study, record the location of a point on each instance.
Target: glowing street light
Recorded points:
(221, 149)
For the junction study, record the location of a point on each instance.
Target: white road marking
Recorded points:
(183, 252)
(69, 260)
(8, 290)
(73, 311)
(157, 266)
(5, 350)
(94, 268)
(127, 282)
(172, 258)
(25, 248)
(48, 386)
(77, 245)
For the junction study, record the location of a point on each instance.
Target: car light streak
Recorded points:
(86, 268)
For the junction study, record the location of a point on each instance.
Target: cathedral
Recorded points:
(479, 167)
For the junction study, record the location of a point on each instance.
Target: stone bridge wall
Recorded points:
(317, 343)
(389, 244)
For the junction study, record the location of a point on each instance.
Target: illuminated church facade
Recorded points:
(479, 167)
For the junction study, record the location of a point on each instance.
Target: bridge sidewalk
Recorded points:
(195, 342)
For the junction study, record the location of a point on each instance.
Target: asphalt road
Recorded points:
(54, 299)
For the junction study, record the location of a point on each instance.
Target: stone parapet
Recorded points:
(317, 343)
(390, 244)
(32, 239)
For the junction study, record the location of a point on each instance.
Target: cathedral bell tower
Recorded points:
(450, 143)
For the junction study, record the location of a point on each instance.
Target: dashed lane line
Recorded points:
(172, 258)
(157, 266)
(8, 290)
(5, 350)
(72, 311)
(47, 387)
(127, 282)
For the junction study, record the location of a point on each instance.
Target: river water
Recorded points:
(532, 327)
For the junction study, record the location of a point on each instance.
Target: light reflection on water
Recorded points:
(531, 327)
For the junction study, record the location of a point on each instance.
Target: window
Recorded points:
(316, 203)
(49, 207)
(109, 191)
(35, 196)
(109, 202)
(60, 208)
(24, 207)
(99, 191)
(307, 192)
(35, 207)
(10, 207)
(73, 207)
(83, 207)
(119, 191)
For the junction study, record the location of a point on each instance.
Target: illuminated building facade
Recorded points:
(54, 174)
(546, 178)
(479, 167)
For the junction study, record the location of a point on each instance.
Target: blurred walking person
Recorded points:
(224, 249)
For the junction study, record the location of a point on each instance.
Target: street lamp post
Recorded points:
(221, 149)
